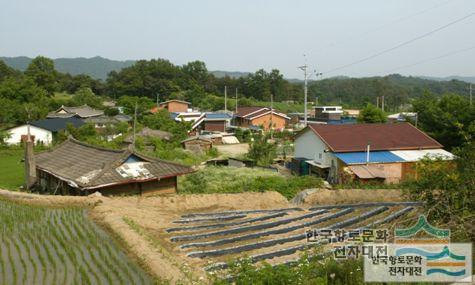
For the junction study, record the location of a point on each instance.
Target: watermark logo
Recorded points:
(421, 253)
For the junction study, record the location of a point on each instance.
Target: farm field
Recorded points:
(11, 169)
(40, 245)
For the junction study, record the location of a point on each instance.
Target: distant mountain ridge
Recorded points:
(99, 67)
(96, 67)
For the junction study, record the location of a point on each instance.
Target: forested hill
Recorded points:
(195, 83)
(397, 89)
(96, 67)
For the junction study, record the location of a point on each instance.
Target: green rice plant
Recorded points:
(28, 248)
(2, 263)
(11, 262)
(51, 260)
(22, 261)
(40, 257)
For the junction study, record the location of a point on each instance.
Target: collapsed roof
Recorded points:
(89, 167)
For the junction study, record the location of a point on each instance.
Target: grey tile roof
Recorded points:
(82, 111)
(89, 167)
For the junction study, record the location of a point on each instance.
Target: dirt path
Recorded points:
(233, 150)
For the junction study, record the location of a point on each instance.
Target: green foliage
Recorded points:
(161, 121)
(236, 180)
(372, 114)
(447, 191)
(85, 96)
(306, 271)
(450, 120)
(144, 104)
(20, 96)
(111, 111)
(11, 168)
(262, 151)
(41, 71)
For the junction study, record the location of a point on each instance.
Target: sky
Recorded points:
(247, 35)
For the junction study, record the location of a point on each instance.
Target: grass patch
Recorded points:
(11, 169)
(237, 180)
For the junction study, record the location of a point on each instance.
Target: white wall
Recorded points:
(41, 135)
(310, 146)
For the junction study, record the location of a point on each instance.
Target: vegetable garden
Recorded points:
(41, 245)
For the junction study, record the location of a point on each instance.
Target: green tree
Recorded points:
(262, 151)
(447, 190)
(85, 96)
(450, 119)
(41, 70)
(372, 114)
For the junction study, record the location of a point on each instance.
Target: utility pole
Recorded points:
(225, 98)
(271, 111)
(377, 102)
(304, 68)
(236, 100)
(470, 94)
(382, 103)
(135, 123)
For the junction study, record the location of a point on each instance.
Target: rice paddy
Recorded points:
(40, 245)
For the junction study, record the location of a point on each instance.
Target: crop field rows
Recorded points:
(276, 236)
(59, 246)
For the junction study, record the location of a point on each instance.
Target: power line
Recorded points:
(396, 21)
(431, 59)
(402, 44)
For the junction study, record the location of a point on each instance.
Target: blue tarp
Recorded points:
(374, 157)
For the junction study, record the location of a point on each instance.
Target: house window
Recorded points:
(320, 155)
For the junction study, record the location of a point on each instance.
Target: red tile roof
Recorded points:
(349, 138)
(244, 111)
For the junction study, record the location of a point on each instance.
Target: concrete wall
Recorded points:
(41, 135)
(310, 146)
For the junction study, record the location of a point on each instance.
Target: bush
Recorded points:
(236, 180)
(306, 271)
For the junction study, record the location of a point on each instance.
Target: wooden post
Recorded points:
(30, 166)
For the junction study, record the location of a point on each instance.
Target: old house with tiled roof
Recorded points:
(82, 112)
(385, 152)
(76, 168)
(263, 117)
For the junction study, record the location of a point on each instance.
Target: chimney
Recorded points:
(30, 165)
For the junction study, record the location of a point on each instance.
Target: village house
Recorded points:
(82, 112)
(76, 168)
(172, 106)
(326, 113)
(383, 152)
(262, 117)
(211, 122)
(41, 131)
(402, 117)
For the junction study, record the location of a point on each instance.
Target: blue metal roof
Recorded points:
(223, 116)
(374, 157)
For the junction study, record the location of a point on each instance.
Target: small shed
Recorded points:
(197, 144)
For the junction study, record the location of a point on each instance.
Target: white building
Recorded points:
(39, 135)
(42, 131)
